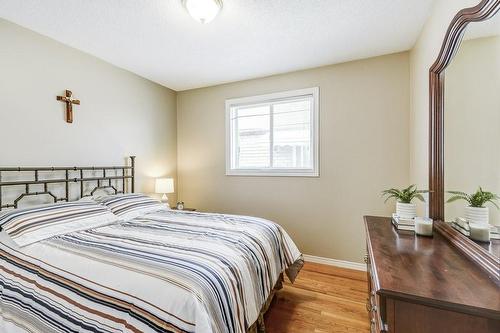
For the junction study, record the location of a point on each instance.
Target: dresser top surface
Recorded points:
(428, 269)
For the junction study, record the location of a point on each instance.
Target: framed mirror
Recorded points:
(465, 135)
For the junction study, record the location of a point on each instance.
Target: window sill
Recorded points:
(276, 173)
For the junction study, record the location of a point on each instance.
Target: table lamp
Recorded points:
(164, 186)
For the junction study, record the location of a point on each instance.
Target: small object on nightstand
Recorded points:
(180, 206)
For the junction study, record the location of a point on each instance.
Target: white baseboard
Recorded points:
(335, 262)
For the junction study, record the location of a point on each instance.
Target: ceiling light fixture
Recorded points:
(203, 11)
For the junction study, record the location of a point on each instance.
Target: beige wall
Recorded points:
(120, 114)
(422, 56)
(364, 110)
(472, 126)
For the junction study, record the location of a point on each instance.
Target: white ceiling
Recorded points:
(158, 40)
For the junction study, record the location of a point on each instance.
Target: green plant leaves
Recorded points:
(476, 199)
(405, 195)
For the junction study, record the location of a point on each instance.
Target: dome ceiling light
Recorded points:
(203, 11)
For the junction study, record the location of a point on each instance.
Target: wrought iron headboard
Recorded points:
(101, 183)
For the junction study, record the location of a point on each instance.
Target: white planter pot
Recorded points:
(406, 211)
(478, 215)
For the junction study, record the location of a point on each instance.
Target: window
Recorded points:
(273, 135)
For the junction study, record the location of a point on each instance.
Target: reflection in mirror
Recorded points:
(472, 125)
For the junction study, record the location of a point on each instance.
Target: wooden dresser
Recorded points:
(423, 284)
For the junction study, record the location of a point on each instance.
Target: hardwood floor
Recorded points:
(322, 299)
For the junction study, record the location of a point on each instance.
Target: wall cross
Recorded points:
(69, 105)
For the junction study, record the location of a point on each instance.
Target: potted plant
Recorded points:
(476, 212)
(404, 208)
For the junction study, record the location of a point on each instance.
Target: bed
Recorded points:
(129, 264)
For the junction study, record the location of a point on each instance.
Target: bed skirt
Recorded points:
(291, 272)
(259, 326)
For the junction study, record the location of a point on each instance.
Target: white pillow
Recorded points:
(131, 205)
(30, 225)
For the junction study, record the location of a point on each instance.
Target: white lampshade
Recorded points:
(203, 11)
(164, 185)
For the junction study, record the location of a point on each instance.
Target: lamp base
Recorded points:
(164, 199)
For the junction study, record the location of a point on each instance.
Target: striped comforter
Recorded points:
(166, 271)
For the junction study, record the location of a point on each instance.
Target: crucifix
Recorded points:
(69, 105)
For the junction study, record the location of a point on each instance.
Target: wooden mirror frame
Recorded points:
(454, 35)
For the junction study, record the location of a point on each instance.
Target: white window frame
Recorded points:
(313, 172)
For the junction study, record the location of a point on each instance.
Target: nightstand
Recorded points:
(186, 209)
